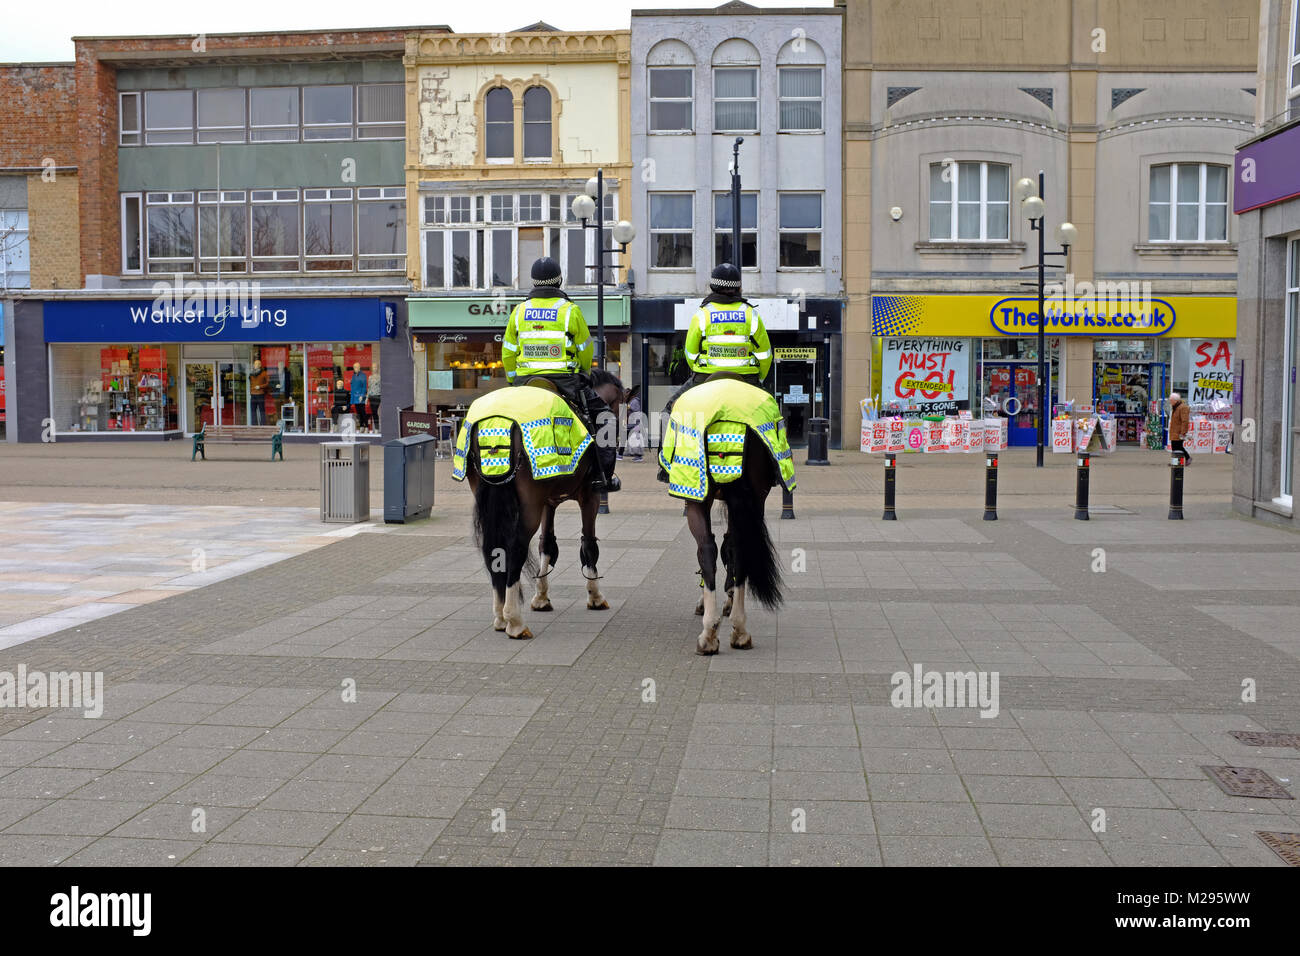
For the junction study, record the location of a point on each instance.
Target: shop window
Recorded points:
(114, 388)
(460, 370)
(499, 125)
(223, 232)
(1188, 203)
(132, 233)
(800, 98)
(672, 229)
(537, 124)
(327, 229)
(326, 112)
(128, 111)
(220, 116)
(380, 111)
(799, 224)
(735, 100)
(15, 250)
(273, 114)
(334, 388)
(170, 232)
(671, 99)
(381, 228)
(169, 117)
(722, 236)
(275, 230)
(970, 202)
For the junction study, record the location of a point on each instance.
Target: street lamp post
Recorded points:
(589, 205)
(1033, 208)
(736, 256)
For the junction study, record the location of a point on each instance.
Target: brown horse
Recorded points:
(508, 513)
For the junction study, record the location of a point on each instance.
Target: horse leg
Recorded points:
(728, 562)
(498, 615)
(590, 550)
(697, 519)
(740, 637)
(531, 506)
(548, 549)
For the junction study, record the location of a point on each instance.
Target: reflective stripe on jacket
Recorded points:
(546, 337)
(728, 338)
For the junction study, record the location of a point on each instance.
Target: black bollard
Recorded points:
(1081, 488)
(604, 504)
(889, 514)
(1176, 463)
(787, 503)
(991, 488)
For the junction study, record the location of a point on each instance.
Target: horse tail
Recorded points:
(755, 553)
(498, 519)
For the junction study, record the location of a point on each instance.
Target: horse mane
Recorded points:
(601, 377)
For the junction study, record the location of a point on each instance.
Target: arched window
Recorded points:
(537, 123)
(499, 114)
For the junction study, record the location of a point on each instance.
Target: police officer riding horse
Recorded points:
(547, 341)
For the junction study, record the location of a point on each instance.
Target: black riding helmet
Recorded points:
(724, 285)
(546, 279)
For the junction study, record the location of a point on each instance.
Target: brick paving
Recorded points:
(225, 703)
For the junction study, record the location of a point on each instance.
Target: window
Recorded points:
(275, 230)
(170, 233)
(381, 228)
(499, 130)
(575, 259)
(735, 100)
(274, 114)
(672, 227)
(220, 116)
(503, 208)
(970, 201)
(132, 234)
(15, 250)
(326, 112)
(800, 98)
(748, 229)
(1293, 70)
(458, 209)
(800, 227)
(537, 123)
(435, 272)
(169, 117)
(380, 111)
(223, 231)
(530, 207)
(327, 229)
(1286, 490)
(128, 109)
(671, 101)
(503, 249)
(1188, 203)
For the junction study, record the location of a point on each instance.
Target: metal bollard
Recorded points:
(604, 504)
(1176, 463)
(1081, 488)
(787, 503)
(991, 488)
(890, 463)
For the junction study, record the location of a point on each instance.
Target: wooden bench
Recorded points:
(239, 435)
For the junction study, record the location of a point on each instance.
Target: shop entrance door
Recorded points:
(1012, 387)
(233, 399)
(200, 402)
(795, 386)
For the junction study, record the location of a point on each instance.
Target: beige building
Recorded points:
(503, 132)
(1131, 111)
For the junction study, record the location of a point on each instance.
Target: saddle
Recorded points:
(578, 408)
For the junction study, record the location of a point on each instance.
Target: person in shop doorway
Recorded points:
(1180, 423)
(341, 401)
(372, 393)
(359, 383)
(257, 383)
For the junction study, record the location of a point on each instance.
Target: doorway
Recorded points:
(1012, 388)
(796, 388)
(216, 393)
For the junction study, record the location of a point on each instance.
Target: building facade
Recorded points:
(504, 131)
(1266, 468)
(701, 80)
(242, 241)
(1132, 115)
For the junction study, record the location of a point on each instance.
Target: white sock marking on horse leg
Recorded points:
(542, 597)
(708, 639)
(739, 635)
(513, 614)
(498, 618)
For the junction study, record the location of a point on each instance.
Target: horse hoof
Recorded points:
(524, 635)
(544, 606)
(742, 642)
(705, 652)
(602, 606)
(498, 627)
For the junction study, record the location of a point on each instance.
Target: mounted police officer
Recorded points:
(726, 334)
(546, 335)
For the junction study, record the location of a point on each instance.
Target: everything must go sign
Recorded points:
(1209, 371)
(927, 375)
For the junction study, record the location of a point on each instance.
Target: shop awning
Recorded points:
(465, 312)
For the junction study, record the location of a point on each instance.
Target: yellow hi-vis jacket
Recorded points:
(546, 337)
(728, 338)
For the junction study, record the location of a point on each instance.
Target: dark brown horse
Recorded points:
(509, 512)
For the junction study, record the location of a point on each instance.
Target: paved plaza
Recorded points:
(230, 733)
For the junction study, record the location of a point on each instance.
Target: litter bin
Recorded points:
(344, 482)
(818, 441)
(408, 477)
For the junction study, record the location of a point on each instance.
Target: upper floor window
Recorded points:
(1293, 65)
(672, 229)
(970, 202)
(671, 100)
(15, 250)
(537, 123)
(800, 98)
(800, 226)
(220, 116)
(168, 117)
(327, 112)
(274, 114)
(735, 100)
(722, 233)
(1188, 203)
(499, 125)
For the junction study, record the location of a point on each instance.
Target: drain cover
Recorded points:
(1247, 782)
(1285, 845)
(1253, 738)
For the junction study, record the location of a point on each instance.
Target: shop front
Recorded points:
(456, 343)
(130, 367)
(941, 354)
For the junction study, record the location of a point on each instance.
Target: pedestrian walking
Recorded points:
(635, 420)
(1180, 423)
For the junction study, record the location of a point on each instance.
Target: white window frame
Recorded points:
(758, 117)
(169, 129)
(525, 123)
(1202, 204)
(366, 194)
(123, 133)
(1293, 65)
(200, 129)
(821, 230)
(14, 238)
(364, 125)
(229, 197)
(142, 251)
(1291, 328)
(311, 197)
(651, 100)
(252, 126)
(157, 199)
(985, 202)
(719, 231)
(349, 127)
(820, 100)
(487, 124)
(495, 200)
(279, 197)
(676, 230)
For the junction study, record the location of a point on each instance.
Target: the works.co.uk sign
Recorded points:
(1019, 316)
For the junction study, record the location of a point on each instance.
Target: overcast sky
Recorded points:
(35, 31)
